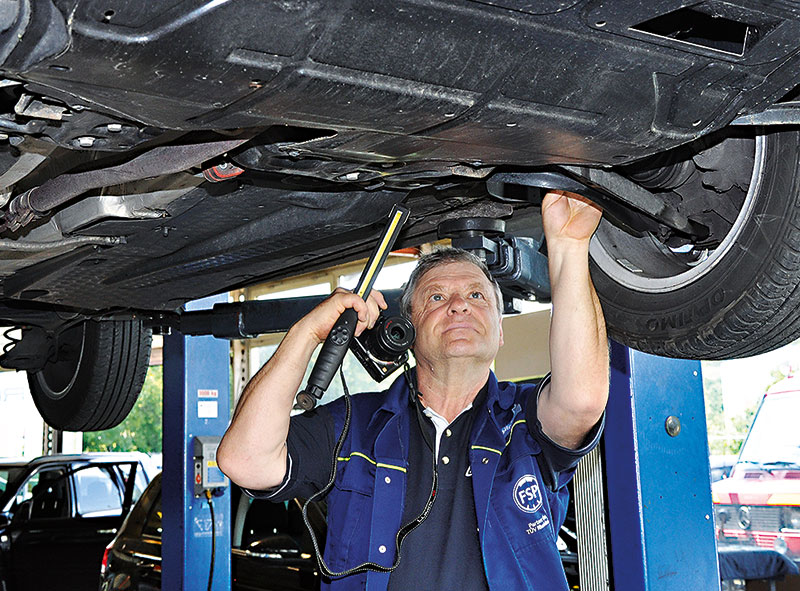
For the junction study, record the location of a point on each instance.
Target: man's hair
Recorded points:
(437, 258)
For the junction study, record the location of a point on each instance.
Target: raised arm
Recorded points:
(577, 394)
(253, 451)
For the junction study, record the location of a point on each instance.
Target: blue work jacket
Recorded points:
(518, 516)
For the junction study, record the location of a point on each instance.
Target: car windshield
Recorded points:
(8, 476)
(774, 439)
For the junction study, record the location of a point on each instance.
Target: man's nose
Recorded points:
(458, 304)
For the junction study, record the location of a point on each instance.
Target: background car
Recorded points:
(58, 512)
(759, 504)
(721, 466)
(270, 546)
(152, 155)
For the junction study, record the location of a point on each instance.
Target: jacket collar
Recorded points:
(396, 399)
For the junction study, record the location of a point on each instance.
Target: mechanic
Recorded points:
(503, 452)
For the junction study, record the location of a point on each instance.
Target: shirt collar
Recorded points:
(498, 399)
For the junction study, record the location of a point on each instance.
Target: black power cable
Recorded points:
(213, 539)
(401, 534)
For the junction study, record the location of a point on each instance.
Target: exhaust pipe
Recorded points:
(36, 202)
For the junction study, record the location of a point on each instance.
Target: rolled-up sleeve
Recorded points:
(557, 462)
(310, 446)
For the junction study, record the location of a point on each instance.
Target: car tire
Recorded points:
(95, 377)
(742, 297)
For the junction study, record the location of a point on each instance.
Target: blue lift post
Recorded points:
(661, 527)
(196, 403)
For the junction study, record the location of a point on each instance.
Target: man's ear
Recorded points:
(501, 331)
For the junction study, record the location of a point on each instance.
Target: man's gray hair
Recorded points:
(437, 258)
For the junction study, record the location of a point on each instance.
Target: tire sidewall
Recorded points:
(682, 323)
(107, 381)
(70, 410)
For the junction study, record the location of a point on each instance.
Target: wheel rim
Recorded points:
(56, 378)
(647, 265)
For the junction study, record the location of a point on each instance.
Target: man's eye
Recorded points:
(476, 295)
(437, 297)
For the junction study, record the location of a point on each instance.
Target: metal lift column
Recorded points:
(196, 404)
(659, 489)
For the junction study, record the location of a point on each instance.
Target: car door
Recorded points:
(66, 523)
(274, 552)
(103, 497)
(38, 529)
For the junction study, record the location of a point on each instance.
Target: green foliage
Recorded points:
(141, 430)
(777, 375)
(741, 423)
(715, 412)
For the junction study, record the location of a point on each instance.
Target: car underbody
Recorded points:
(152, 154)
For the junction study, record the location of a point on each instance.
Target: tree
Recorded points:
(141, 430)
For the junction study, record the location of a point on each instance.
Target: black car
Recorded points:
(270, 546)
(58, 512)
(153, 153)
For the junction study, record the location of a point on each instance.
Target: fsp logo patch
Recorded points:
(527, 495)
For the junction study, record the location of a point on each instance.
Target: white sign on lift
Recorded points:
(207, 405)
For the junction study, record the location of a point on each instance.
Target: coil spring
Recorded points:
(12, 340)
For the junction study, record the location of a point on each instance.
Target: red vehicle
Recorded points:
(759, 505)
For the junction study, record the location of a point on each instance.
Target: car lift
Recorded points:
(659, 534)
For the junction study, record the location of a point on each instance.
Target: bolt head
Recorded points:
(673, 425)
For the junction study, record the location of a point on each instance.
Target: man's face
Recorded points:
(454, 312)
